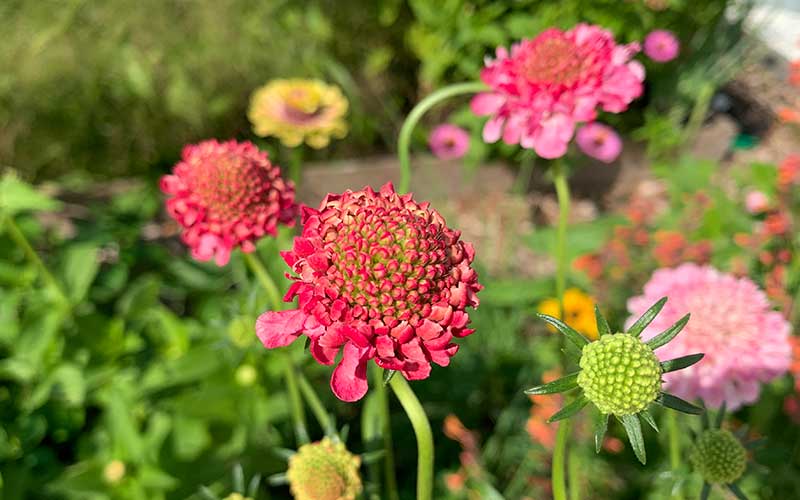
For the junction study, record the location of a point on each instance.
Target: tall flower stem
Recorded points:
(317, 408)
(386, 430)
(558, 477)
(404, 141)
(674, 450)
(295, 164)
(22, 242)
(295, 401)
(422, 429)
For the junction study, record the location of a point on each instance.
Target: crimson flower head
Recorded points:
(543, 87)
(227, 195)
(378, 276)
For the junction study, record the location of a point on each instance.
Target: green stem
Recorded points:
(422, 429)
(574, 468)
(699, 112)
(295, 162)
(386, 431)
(19, 238)
(404, 141)
(674, 450)
(295, 401)
(317, 408)
(559, 480)
(562, 194)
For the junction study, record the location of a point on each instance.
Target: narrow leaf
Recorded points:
(371, 457)
(705, 492)
(569, 410)
(720, 416)
(206, 493)
(649, 315)
(238, 478)
(284, 453)
(705, 421)
(278, 479)
(676, 403)
(572, 335)
(252, 486)
(668, 334)
(602, 324)
(645, 415)
(681, 363)
(387, 376)
(563, 384)
(600, 427)
(737, 492)
(634, 430)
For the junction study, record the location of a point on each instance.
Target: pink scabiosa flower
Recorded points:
(661, 46)
(756, 202)
(744, 341)
(449, 142)
(378, 276)
(546, 85)
(599, 141)
(227, 195)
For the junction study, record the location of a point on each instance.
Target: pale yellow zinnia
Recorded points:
(297, 111)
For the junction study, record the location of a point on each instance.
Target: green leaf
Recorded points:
(569, 410)
(681, 363)
(676, 403)
(572, 335)
(600, 427)
(79, 269)
(737, 492)
(602, 324)
(705, 492)
(645, 415)
(561, 385)
(634, 430)
(190, 436)
(649, 315)
(18, 196)
(69, 384)
(664, 337)
(720, 416)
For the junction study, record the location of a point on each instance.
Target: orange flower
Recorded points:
(578, 309)
(543, 407)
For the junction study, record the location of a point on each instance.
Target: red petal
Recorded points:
(349, 379)
(280, 328)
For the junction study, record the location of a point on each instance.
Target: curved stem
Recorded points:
(404, 141)
(559, 481)
(317, 408)
(422, 429)
(21, 241)
(295, 401)
(386, 431)
(674, 450)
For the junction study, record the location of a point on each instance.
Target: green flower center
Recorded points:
(324, 471)
(719, 457)
(620, 374)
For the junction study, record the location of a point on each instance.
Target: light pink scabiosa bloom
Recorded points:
(449, 142)
(744, 341)
(661, 46)
(227, 195)
(546, 85)
(599, 141)
(378, 276)
(756, 202)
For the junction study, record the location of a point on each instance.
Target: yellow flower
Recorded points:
(324, 471)
(579, 310)
(299, 110)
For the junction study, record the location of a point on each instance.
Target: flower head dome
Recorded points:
(546, 85)
(744, 341)
(298, 110)
(227, 195)
(381, 277)
(324, 471)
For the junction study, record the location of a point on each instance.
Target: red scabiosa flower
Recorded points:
(544, 86)
(378, 276)
(227, 195)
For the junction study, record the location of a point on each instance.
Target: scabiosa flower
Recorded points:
(756, 202)
(599, 141)
(546, 85)
(299, 110)
(746, 343)
(227, 195)
(449, 142)
(324, 471)
(378, 276)
(661, 46)
(620, 375)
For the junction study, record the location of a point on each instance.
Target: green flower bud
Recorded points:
(620, 374)
(719, 457)
(324, 471)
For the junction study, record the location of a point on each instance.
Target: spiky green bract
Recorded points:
(719, 457)
(620, 374)
(324, 471)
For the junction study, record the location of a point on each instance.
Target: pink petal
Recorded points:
(486, 103)
(349, 379)
(493, 129)
(280, 328)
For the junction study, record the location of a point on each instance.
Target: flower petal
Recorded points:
(280, 328)
(349, 379)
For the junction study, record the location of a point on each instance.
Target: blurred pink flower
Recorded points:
(599, 141)
(449, 142)
(744, 341)
(756, 202)
(661, 46)
(546, 85)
